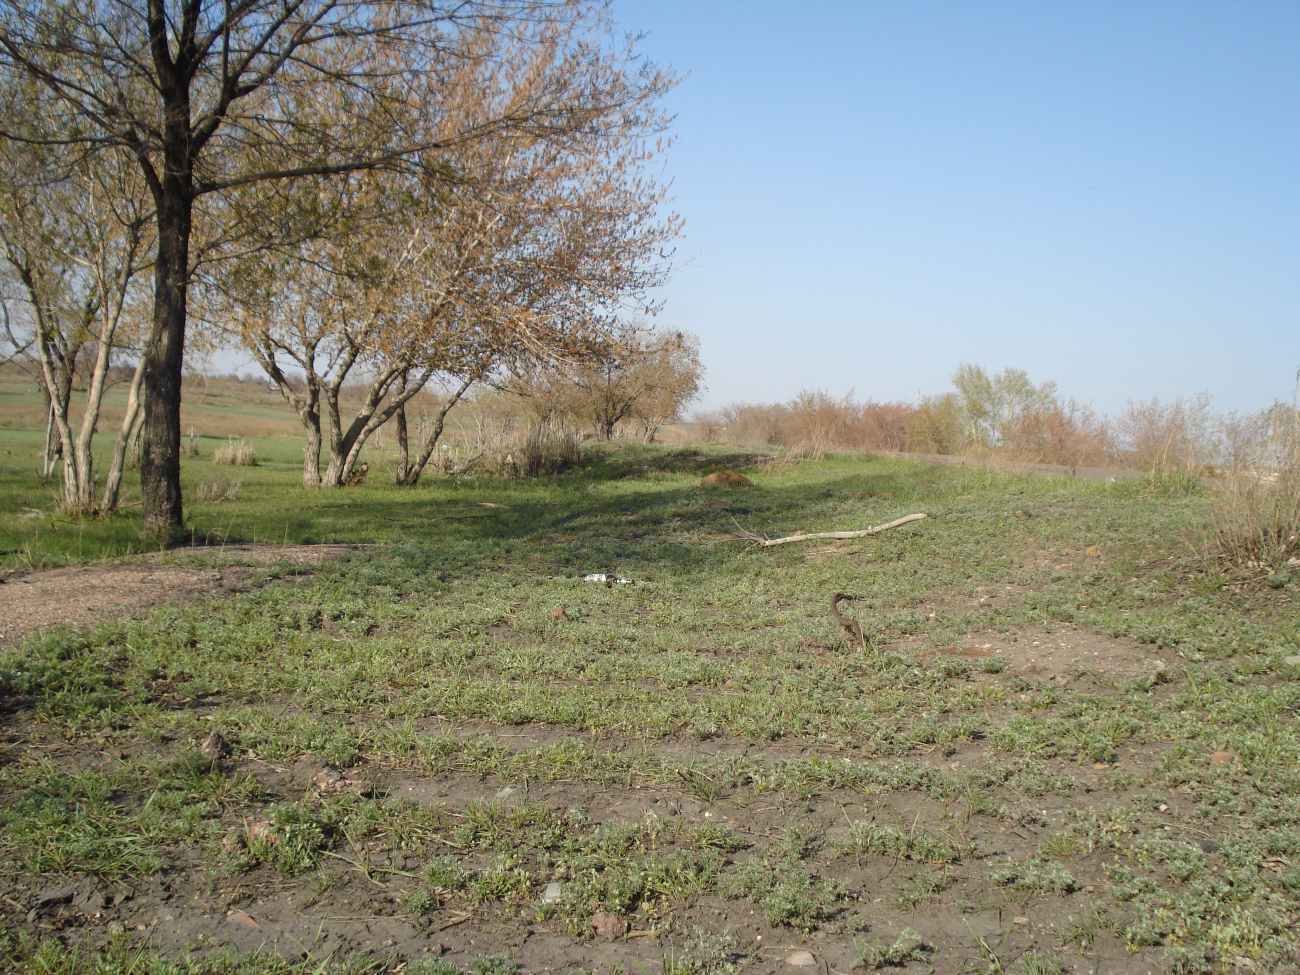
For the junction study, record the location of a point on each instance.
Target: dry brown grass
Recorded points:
(545, 449)
(235, 454)
(1257, 509)
(1257, 518)
(218, 489)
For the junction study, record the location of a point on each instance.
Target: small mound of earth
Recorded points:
(83, 595)
(729, 479)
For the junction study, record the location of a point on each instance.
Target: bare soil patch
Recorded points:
(195, 904)
(83, 595)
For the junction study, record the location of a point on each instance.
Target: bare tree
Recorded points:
(525, 252)
(74, 239)
(209, 97)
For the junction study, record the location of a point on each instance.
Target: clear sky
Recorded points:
(1106, 194)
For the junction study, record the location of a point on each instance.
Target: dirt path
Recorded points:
(83, 595)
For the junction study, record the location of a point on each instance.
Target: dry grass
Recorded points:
(235, 454)
(1257, 512)
(218, 489)
(1257, 518)
(545, 449)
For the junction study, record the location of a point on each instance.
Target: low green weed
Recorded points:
(872, 839)
(1033, 877)
(876, 954)
(788, 895)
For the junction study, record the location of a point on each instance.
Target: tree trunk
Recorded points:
(160, 460)
(50, 459)
(334, 470)
(311, 450)
(130, 428)
(412, 474)
(403, 443)
(403, 447)
(345, 447)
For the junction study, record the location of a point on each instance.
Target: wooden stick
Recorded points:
(767, 542)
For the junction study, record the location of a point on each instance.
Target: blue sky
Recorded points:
(1104, 194)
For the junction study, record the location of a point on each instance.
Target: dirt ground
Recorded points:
(82, 595)
(192, 904)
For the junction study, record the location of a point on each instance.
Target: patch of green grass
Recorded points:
(78, 823)
(787, 893)
(876, 954)
(20, 953)
(920, 888)
(1033, 877)
(292, 839)
(921, 845)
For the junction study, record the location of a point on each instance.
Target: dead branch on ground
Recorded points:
(768, 542)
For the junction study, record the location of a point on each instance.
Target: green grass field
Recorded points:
(1069, 742)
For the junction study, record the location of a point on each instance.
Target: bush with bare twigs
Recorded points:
(1170, 435)
(1257, 508)
(1071, 434)
(1257, 518)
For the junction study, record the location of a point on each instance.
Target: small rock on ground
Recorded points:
(801, 959)
(609, 927)
(334, 781)
(215, 747)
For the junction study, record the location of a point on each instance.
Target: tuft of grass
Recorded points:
(218, 489)
(876, 954)
(872, 839)
(788, 895)
(1257, 519)
(1033, 877)
(291, 840)
(235, 454)
(921, 888)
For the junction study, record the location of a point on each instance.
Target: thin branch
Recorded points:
(768, 542)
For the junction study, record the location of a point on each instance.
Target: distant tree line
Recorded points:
(1008, 415)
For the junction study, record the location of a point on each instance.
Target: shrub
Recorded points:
(1257, 518)
(1257, 512)
(545, 449)
(1178, 435)
(235, 454)
(218, 489)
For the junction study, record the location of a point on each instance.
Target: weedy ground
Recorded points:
(1068, 743)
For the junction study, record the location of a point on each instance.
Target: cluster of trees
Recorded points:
(359, 193)
(643, 381)
(1008, 414)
